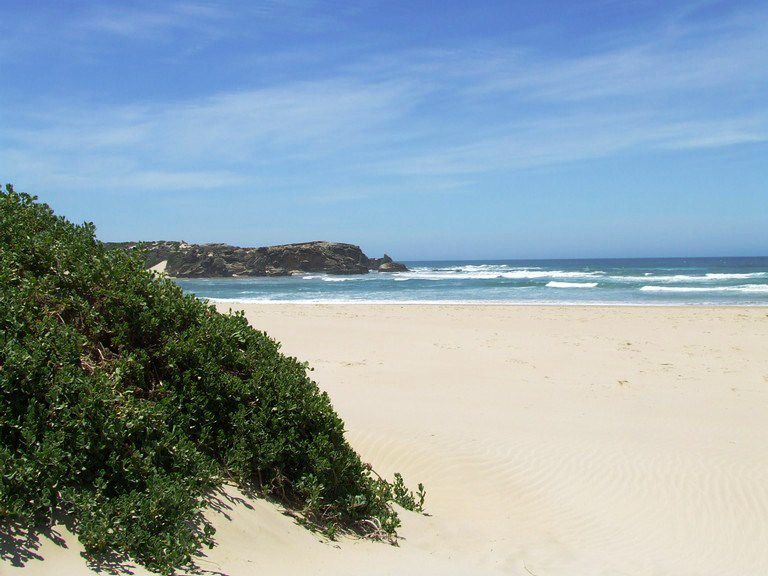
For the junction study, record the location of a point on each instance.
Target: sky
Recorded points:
(429, 130)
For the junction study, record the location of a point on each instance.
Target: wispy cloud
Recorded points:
(447, 116)
(147, 21)
(246, 133)
(143, 21)
(547, 142)
(667, 64)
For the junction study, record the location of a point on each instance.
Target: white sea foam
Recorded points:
(457, 302)
(476, 268)
(490, 275)
(713, 277)
(340, 279)
(747, 288)
(571, 284)
(719, 276)
(496, 283)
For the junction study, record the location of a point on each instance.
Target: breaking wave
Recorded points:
(720, 281)
(571, 284)
(747, 288)
(711, 277)
(463, 274)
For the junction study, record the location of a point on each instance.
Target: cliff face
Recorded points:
(221, 260)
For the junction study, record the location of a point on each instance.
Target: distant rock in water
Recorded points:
(183, 260)
(386, 264)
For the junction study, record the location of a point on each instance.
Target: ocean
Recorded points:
(635, 281)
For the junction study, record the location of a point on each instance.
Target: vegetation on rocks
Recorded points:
(124, 403)
(183, 260)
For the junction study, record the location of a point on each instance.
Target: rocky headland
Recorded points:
(184, 260)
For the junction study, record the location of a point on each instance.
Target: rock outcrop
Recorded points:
(386, 264)
(184, 260)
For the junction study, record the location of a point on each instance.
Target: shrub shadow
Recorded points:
(19, 545)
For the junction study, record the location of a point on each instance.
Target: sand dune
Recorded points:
(552, 441)
(160, 267)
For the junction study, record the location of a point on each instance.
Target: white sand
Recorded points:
(552, 441)
(160, 267)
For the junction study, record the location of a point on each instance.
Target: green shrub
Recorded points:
(124, 403)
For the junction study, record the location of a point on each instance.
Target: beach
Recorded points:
(552, 440)
(384, 288)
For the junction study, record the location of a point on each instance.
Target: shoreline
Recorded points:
(642, 282)
(478, 303)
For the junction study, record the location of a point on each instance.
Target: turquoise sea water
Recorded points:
(662, 281)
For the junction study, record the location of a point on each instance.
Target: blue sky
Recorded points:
(427, 129)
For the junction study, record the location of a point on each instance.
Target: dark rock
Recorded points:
(386, 264)
(221, 260)
(392, 267)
